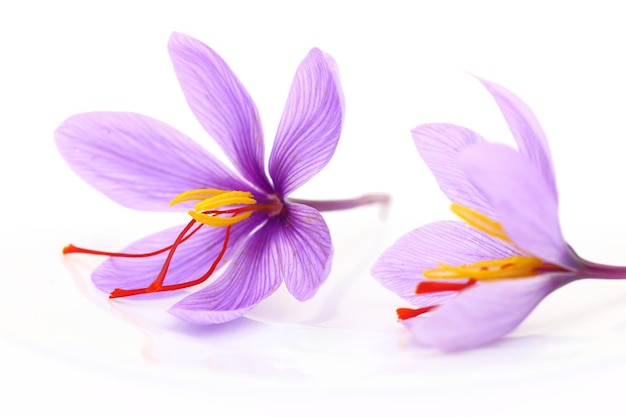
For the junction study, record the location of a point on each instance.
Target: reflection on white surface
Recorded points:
(287, 354)
(347, 332)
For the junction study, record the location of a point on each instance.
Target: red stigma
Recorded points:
(409, 313)
(427, 287)
(75, 249)
(158, 284)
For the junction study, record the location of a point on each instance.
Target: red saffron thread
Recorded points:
(157, 286)
(75, 249)
(426, 287)
(409, 313)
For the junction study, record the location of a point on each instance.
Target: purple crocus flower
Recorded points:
(244, 217)
(477, 280)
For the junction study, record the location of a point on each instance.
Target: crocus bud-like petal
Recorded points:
(524, 203)
(484, 313)
(439, 145)
(530, 138)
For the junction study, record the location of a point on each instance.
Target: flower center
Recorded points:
(513, 267)
(237, 205)
(516, 266)
(216, 208)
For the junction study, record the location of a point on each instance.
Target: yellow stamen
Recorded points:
(517, 266)
(217, 221)
(226, 199)
(513, 267)
(480, 221)
(201, 194)
(210, 210)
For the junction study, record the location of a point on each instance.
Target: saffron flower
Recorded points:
(473, 282)
(244, 217)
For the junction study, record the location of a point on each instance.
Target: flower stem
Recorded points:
(329, 205)
(594, 270)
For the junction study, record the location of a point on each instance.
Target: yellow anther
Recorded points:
(217, 221)
(514, 267)
(230, 198)
(212, 199)
(201, 194)
(480, 221)
(517, 266)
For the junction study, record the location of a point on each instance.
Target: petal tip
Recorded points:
(179, 42)
(178, 37)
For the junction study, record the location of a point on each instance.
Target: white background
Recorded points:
(64, 347)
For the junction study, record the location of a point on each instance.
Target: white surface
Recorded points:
(63, 346)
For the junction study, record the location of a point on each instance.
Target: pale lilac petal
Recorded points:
(483, 314)
(305, 250)
(530, 138)
(439, 145)
(310, 126)
(524, 203)
(137, 161)
(400, 267)
(191, 260)
(251, 276)
(221, 104)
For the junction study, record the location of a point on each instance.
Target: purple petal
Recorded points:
(526, 130)
(483, 314)
(221, 104)
(310, 126)
(400, 267)
(439, 145)
(137, 161)
(191, 260)
(524, 203)
(305, 250)
(250, 277)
